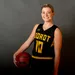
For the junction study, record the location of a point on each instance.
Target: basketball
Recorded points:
(23, 60)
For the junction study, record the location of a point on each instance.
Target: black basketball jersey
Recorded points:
(43, 43)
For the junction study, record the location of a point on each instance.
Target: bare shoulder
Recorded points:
(58, 32)
(36, 25)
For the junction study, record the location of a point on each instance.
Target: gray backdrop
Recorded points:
(17, 18)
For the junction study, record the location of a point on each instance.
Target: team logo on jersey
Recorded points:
(38, 29)
(43, 37)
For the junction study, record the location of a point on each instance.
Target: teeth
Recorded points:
(46, 17)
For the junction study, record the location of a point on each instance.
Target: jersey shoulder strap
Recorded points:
(39, 27)
(54, 27)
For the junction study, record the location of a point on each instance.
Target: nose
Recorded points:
(46, 14)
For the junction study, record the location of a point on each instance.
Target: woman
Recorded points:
(47, 39)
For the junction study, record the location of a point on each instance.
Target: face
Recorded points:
(47, 14)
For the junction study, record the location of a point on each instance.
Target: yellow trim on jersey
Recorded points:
(36, 57)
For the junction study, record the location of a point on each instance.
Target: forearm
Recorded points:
(56, 65)
(22, 48)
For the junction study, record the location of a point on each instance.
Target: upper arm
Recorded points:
(32, 35)
(57, 41)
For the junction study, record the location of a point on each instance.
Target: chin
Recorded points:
(46, 20)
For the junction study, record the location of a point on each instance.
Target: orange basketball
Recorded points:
(23, 60)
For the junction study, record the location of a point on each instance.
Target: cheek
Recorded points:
(50, 15)
(42, 15)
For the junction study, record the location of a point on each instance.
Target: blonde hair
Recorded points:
(48, 5)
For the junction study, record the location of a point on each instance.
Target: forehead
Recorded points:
(46, 9)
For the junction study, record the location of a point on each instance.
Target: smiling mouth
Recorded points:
(46, 18)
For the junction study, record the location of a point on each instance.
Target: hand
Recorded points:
(14, 59)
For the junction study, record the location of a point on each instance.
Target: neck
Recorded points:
(48, 23)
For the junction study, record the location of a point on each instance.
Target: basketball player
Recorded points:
(47, 38)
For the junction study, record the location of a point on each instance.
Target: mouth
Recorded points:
(46, 17)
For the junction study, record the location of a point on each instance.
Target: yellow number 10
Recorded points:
(39, 46)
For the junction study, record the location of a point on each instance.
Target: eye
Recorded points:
(49, 12)
(43, 12)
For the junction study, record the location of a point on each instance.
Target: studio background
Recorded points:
(17, 19)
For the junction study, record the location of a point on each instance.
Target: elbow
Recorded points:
(57, 56)
(27, 44)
